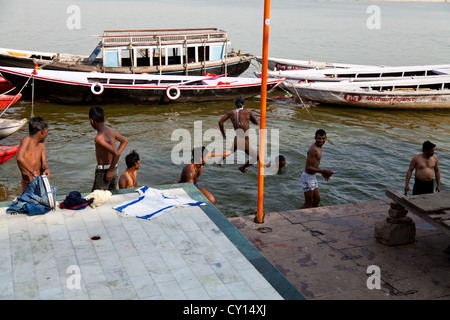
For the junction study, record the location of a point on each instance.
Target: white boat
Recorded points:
(429, 93)
(106, 88)
(291, 64)
(363, 74)
(193, 51)
(9, 126)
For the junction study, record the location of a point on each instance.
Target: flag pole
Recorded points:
(262, 132)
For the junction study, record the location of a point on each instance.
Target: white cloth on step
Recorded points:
(153, 202)
(100, 197)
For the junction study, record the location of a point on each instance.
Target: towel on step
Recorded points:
(153, 202)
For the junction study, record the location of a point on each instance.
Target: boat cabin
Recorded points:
(167, 47)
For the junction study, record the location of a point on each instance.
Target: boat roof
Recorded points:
(163, 36)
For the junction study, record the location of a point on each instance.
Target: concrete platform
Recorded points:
(325, 253)
(186, 253)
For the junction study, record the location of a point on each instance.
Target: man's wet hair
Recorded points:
(132, 158)
(239, 102)
(198, 154)
(97, 114)
(36, 124)
(320, 132)
(427, 145)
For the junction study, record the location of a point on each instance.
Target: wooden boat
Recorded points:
(291, 64)
(7, 152)
(429, 93)
(168, 51)
(8, 100)
(9, 126)
(104, 88)
(5, 85)
(363, 74)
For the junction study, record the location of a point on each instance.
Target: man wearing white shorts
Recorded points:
(308, 178)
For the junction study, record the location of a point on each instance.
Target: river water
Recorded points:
(369, 150)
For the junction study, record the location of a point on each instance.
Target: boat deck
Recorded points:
(186, 253)
(326, 252)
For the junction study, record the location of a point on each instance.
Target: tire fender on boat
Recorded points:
(97, 92)
(177, 93)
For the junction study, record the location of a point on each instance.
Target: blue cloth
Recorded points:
(38, 198)
(75, 201)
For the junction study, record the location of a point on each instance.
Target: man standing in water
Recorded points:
(426, 165)
(128, 179)
(240, 118)
(106, 174)
(308, 178)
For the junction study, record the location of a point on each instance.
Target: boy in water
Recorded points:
(31, 157)
(308, 178)
(426, 165)
(192, 171)
(106, 174)
(128, 179)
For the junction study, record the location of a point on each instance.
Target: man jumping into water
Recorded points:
(241, 118)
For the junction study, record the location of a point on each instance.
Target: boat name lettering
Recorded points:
(352, 97)
(390, 99)
(283, 67)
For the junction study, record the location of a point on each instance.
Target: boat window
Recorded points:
(415, 73)
(125, 57)
(175, 55)
(433, 86)
(33, 56)
(392, 74)
(203, 53)
(405, 88)
(139, 81)
(369, 75)
(120, 81)
(94, 80)
(191, 54)
(169, 81)
(447, 85)
(143, 57)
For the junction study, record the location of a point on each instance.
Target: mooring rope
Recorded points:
(31, 76)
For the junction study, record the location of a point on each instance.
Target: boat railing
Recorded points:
(149, 37)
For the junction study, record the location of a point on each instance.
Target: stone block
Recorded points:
(394, 234)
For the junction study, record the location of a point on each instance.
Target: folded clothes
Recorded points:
(75, 201)
(99, 196)
(153, 202)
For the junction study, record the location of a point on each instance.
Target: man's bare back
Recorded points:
(31, 158)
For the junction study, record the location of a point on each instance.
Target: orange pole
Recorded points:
(262, 132)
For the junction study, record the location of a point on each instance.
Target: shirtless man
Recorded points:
(31, 157)
(308, 178)
(128, 179)
(192, 171)
(426, 165)
(241, 118)
(106, 175)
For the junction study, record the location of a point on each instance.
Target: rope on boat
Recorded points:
(31, 76)
(5, 93)
(306, 108)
